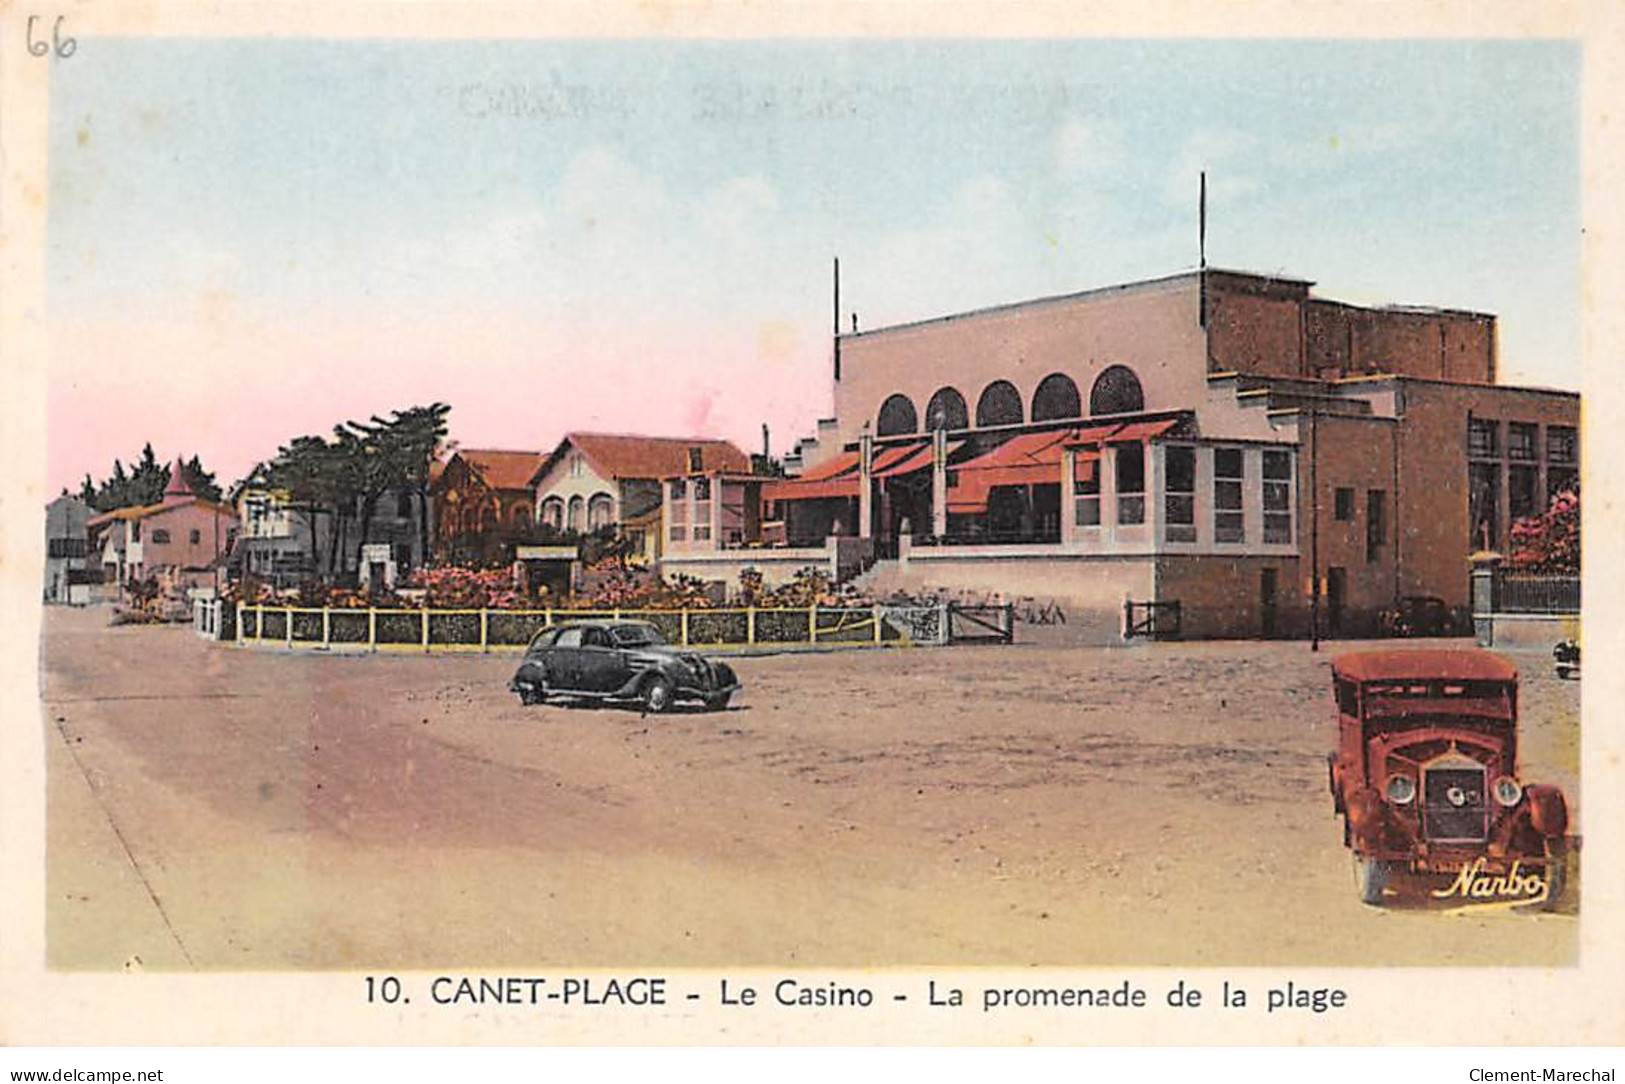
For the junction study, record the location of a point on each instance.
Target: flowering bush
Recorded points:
(611, 584)
(607, 584)
(808, 587)
(452, 588)
(1550, 542)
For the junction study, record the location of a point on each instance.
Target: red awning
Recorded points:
(1025, 460)
(919, 458)
(1136, 431)
(844, 463)
(887, 460)
(835, 477)
(1090, 435)
(839, 476)
(811, 491)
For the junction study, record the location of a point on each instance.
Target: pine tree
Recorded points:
(198, 480)
(150, 477)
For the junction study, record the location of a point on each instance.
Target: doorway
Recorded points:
(1266, 602)
(1336, 596)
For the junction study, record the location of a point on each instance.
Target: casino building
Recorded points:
(1221, 439)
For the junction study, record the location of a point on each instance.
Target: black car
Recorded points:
(1420, 615)
(619, 660)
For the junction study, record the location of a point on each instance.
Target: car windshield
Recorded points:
(636, 635)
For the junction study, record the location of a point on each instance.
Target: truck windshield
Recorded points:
(1435, 689)
(1412, 698)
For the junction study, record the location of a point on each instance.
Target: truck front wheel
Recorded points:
(1371, 876)
(1557, 876)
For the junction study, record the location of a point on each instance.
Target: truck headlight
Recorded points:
(1401, 789)
(1508, 791)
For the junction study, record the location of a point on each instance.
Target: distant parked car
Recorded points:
(1567, 654)
(627, 661)
(1420, 615)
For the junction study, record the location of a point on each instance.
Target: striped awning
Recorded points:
(835, 477)
(1026, 460)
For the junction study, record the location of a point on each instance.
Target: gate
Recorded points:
(981, 624)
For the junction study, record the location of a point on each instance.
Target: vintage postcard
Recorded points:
(861, 523)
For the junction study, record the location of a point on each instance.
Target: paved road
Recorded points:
(214, 807)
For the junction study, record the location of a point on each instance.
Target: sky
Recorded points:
(251, 240)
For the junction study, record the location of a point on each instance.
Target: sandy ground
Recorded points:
(225, 808)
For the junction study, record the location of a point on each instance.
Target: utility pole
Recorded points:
(837, 319)
(1314, 526)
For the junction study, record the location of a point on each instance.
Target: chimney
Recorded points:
(766, 447)
(854, 323)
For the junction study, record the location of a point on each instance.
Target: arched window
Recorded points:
(600, 511)
(896, 416)
(553, 513)
(519, 514)
(946, 411)
(1000, 404)
(1056, 397)
(577, 508)
(1116, 391)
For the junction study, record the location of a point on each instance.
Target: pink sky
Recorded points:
(230, 388)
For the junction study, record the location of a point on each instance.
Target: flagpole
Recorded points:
(1201, 249)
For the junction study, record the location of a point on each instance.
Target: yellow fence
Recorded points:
(484, 630)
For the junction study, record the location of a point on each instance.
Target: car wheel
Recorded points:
(1371, 877)
(717, 702)
(535, 692)
(1557, 878)
(657, 696)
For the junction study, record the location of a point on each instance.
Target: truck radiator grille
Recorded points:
(1455, 804)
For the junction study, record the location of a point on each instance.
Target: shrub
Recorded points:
(1550, 542)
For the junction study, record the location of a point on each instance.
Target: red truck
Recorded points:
(1425, 776)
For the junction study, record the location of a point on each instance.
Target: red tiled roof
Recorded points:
(143, 511)
(134, 511)
(622, 455)
(500, 469)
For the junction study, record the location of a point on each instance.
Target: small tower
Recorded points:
(177, 487)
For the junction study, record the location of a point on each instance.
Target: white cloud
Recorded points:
(601, 191)
(738, 210)
(1229, 158)
(1089, 149)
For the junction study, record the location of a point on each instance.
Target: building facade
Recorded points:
(1222, 440)
(484, 505)
(181, 541)
(278, 542)
(68, 572)
(599, 481)
(285, 542)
